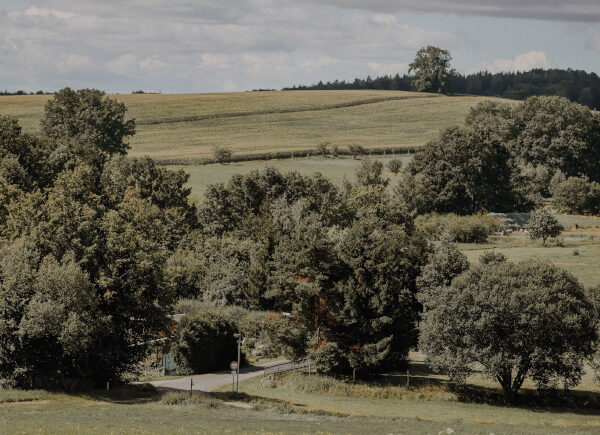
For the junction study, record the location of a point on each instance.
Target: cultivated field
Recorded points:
(189, 126)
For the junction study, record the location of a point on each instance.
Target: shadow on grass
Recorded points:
(124, 394)
(558, 400)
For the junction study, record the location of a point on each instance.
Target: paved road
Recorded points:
(211, 381)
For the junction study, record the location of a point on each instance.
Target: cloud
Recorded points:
(594, 42)
(521, 62)
(75, 62)
(125, 64)
(199, 45)
(34, 11)
(567, 10)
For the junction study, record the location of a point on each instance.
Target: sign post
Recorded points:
(234, 366)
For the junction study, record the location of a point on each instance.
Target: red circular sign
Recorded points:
(233, 365)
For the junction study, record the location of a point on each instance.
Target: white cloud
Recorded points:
(215, 60)
(521, 62)
(152, 63)
(125, 64)
(75, 62)
(566, 10)
(34, 11)
(594, 42)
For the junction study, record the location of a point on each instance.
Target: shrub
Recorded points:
(322, 148)
(462, 229)
(395, 165)
(356, 150)
(222, 154)
(471, 229)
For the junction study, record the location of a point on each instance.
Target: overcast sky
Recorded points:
(236, 45)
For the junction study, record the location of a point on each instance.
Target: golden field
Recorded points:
(190, 126)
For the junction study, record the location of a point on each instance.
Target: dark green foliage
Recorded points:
(373, 308)
(330, 358)
(555, 132)
(356, 150)
(25, 161)
(527, 320)
(395, 165)
(471, 229)
(222, 154)
(462, 229)
(245, 200)
(369, 174)
(577, 195)
(84, 243)
(303, 265)
(551, 132)
(465, 171)
(543, 225)
(87, 117)
(445, 264)
(432, 71)
(184, 273)
(204, 342)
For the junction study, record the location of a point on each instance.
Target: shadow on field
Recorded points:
(124, 394)
(558, 400)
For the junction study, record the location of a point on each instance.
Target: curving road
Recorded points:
(210, 381)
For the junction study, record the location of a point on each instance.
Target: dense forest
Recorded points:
(578, 86)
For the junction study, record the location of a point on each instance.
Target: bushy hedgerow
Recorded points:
(462, 229)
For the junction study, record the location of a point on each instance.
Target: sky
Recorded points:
(185, 46)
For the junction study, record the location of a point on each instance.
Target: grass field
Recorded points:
(301, 404)
(577, 250)
(333, 168)
(474, 409)
(188, 127)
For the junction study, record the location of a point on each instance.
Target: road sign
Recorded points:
(234, 372)
(233, 365)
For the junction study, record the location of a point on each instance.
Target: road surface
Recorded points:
(210, 381)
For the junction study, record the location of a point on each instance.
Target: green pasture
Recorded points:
(334, 168)
(429, 398)
(190, 126)
(575, 250)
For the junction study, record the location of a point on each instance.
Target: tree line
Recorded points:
(576, 85)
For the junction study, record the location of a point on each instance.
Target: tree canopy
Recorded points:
(432, 71)
(517, 321)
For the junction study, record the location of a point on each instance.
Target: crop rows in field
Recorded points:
(186, 128)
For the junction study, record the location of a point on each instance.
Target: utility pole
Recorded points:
(238, 336)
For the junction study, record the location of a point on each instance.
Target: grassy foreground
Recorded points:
(187, 127)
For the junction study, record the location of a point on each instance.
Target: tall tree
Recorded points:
(432, 71)
(89, 117)
(465, 171)
(518, 321)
